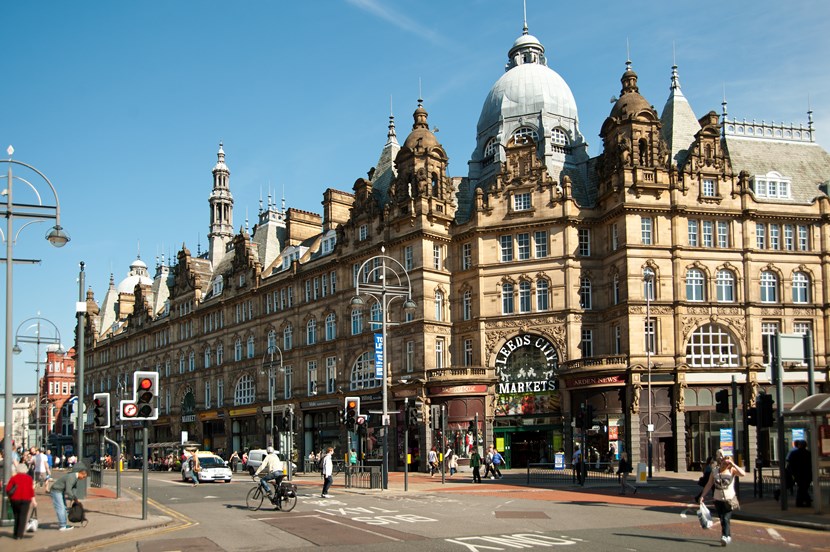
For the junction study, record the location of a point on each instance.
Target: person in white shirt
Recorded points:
(326, 472)
(272, 467)
(42, 470)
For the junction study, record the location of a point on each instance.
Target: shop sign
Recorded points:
(457, 390)
(189, 418)
(527, 367)
(243, 411)
(213, 415)
(594, 381)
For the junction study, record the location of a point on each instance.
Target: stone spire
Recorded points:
(221, 210)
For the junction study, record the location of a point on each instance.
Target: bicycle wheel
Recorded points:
(287, 503)
(254, 499)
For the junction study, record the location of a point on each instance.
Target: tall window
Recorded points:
(439, 306)
(272, 341)
(439, 352)
(542, 295)
(615, 237)
(708, 238)
(768, 331)
(220, 392)
(251, 347)
(507, 298)
(585, 293)
(646, 230)
(220, 354)
(803, 238)
(237, 350)
(774, 237)
(207, 357)
(694, 285)
(331, 374)
(617, 339)
(288, 338)
(312, 378)
(615, 289)
(375, 316)
(723, 233)
(436, 256)
(587, 344)
(708, 187)
(584, 237)
(311, 332)
(408, 257)
(409, 357)
(760, 236)
(524, 296)
(467, 305)
(789, 237)
(769, 287)
(801, 288)
(331, 326)
(540, 238)
(506, 243)
(287, 382)
(208, 401)
(693, 233)
(468, 352)
(650, 334)
(725, 285)
(466, 256)
(711, 346)
(523, 243)
(245, 391)
(357, 321)
(191, 361)
(649, 281)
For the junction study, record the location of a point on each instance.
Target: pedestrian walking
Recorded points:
(432, 460)
(326, 472)
(722, 479)
(707, 470)
(488, 463)
(193, 468)
(475, 464)
(42, 469)
(21, 492)
(66, 488)
(498, 460)
(800, 468)
(623, 471)
(576, 462)
(452, 462)
(353, 457)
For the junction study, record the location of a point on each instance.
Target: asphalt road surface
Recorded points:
(462, 517)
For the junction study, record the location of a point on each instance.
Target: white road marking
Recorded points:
(775, 534)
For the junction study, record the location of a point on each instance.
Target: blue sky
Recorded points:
(123, 104)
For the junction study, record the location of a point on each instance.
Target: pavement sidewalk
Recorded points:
(112, 517)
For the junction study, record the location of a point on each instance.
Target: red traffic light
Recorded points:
(352, 405)
(145, 384)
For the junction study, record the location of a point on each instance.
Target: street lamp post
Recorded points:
(648, 276)
(272, 381)
(374, 282)
(37, 339)
(33, 212)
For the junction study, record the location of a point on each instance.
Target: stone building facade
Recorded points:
(639, 282)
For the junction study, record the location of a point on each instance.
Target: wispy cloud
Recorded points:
(398, 19)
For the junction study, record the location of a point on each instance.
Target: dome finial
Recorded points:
(524, 5)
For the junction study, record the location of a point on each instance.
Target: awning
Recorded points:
(814, 405)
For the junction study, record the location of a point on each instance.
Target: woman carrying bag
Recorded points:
(722, 479)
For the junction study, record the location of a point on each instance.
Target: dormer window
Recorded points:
(772, 186)
(328, 245)
(521, 135)
(559, 140)
(218, 285)
(363, 232)
(521, 201)
(708, 188)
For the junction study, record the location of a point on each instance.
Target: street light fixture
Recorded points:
(35, 323)
(34, 212)
(374, 282)
(648, 279)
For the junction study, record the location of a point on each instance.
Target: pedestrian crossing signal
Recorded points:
(101, 410)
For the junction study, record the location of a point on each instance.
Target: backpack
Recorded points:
(76, 513)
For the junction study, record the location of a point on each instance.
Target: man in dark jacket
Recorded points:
(66, 487)
(800, 467)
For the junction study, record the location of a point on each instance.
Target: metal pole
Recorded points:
(144, 448)
(650, 428)
(272, 384)
(406, 446)
(8, 395)
(37, 382)
(385, 407)
(811, 364)
(442, 442)
(79, 363)
(778, 377)
(117, 468)
(735, 440)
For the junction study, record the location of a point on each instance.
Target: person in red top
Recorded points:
(21, 492)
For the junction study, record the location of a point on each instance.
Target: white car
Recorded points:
(213, 469)
(256, 456)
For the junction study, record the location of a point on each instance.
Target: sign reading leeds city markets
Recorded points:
(527, 367)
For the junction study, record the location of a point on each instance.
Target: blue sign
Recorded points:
(798, 434)
(379, 356)
(559, 461)
(726, 441)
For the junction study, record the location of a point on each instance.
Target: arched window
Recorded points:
(521, 134)
(542, 295)
(507, 299)
(695, 285)
(207, 357)
(191, 361)
(220, 354)
(559, 137)
(331, 327)
(363, 373)
(245, 391)
(711, 346)
(524, 296)
(288, 338)
(357, 321)
(801, 288)
(649, 281)
(311, 332)
(272, 341)
(237, 350)
(769, 287)
(725, 285)
(585, 293)
(375, 316)
(491, 147)
(439, 305)
(251, 347)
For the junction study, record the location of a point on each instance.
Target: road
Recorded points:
(455, 517)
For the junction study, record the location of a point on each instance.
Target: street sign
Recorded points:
(379, 356)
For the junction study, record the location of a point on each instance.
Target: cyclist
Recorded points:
(272, 466)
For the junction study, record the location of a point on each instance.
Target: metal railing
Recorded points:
(766, 483)
(549, 474)
(96, 475)
(363, 477)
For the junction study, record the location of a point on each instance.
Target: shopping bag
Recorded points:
(705, 516)
(32, 524)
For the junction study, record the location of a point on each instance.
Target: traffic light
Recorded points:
(589, 416)
(351, 407)
(101, 410)
(752, 416)
(145, 398)
(435, 417)
(580, 416)
(411, 417)
(766, 413)
(722, 401)
(418, 405)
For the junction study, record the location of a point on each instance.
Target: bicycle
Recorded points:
(285, 497)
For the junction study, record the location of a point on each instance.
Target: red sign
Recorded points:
(130, 410)
(613, 433)
(458, 390)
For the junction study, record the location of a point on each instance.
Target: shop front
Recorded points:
(528, 423)
(213, 431)
(465, 411)
(322, 427)
(245, 432)
(604, 437)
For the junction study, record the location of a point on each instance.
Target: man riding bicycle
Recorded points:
(272, 467)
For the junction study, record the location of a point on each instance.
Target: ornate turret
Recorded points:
(221, 210)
